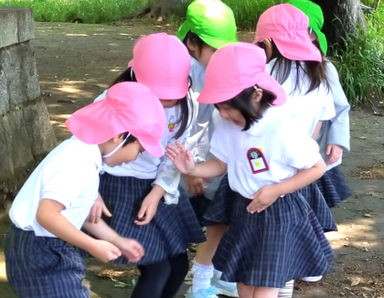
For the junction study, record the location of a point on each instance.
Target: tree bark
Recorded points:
(341, 18)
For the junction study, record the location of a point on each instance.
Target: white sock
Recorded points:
(217, 274)
(202, 275)
(287, 291)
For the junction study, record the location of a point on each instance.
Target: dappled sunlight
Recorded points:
(59, 118)
(3, 276)
(113, 44)
(68, 89)
(77, 34)
(359, 234)
(115, 69)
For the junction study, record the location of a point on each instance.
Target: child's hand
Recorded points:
(181, 157)
(104, 250)
(334, 153)
(130, 248)
(97, 210)
(147, 210)
(194, 185)
(262, 199)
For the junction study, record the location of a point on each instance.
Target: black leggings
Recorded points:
(162, 279)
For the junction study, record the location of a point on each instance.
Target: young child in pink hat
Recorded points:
(297, 64)
(143, 196)
(273, 234)
(53, 204)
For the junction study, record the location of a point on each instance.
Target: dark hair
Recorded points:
(130, 139)
(242, 103)
(282, 68)
(128, 75)
(195, 40)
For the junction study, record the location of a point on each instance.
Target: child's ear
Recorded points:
(193, 49)
(257, 95)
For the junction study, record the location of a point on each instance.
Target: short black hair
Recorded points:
(242, 103)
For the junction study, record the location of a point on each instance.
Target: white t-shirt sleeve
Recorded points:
(219, 145)
(65, 184)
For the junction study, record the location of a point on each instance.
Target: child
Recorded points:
(273, 235)
(334, 134)
(143, 196)
(282, 30)
(52, 205)
(209, 25)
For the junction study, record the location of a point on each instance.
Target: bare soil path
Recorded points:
(76, 62)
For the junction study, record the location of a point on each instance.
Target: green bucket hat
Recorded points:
(212, 21)
(316, 19)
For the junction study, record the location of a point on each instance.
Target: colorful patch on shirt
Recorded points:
(257, 160)
(171, 124)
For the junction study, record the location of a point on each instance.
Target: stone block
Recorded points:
(16, 25)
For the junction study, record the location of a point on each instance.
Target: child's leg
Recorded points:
(203, 268)
(152, 280)
(246, 291)
(179, 269)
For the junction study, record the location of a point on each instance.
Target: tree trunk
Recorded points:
(341, 18)
(161, 9)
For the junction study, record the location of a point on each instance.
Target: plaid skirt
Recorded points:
(220, 208)
(43, 266)
(334, 187)
(169, 232)
(269, 248)
(316, 201)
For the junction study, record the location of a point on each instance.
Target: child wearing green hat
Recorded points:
(209, 25)
(334, 136)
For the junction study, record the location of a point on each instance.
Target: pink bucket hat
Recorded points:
(288, 27)
(127, 107)
(234, 68)
(162, 62)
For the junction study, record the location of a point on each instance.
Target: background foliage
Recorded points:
(360, 61)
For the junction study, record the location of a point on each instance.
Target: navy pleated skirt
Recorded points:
(334, 187)
(220, 208)
(316, 201)
(170, 231)
(269, 248)
(43, 266)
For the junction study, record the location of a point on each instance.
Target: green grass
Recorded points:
(361, 61)
(86, 11)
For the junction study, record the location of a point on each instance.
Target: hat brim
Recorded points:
(155, 149)
(322, 41)
(96, 123)
(263, 80)
(217, 43)
(304, 51)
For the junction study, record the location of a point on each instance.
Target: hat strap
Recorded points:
(117, 147)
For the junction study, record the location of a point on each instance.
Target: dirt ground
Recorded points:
(76, 62)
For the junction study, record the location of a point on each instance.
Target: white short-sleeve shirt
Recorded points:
(306, 108)
(270, 151)
(69, 174)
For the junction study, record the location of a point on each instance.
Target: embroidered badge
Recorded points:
(257, 160)
(171, 124)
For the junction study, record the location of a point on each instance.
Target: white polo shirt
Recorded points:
(69, 174)
(270, 151)
(306, 108)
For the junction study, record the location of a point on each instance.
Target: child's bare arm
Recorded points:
(130, 248)
(266, 195)
(49, 216)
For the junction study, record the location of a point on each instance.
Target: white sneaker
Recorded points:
(312, 278)
(225, 288)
